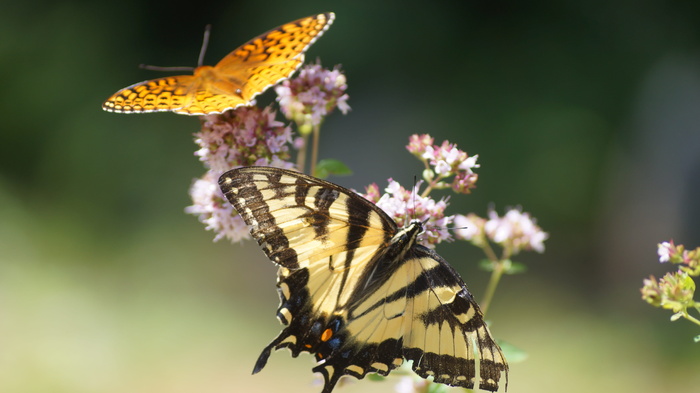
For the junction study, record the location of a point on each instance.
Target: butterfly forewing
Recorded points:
(236, 80)
(357, 292)
(266, 60)
(298, 219)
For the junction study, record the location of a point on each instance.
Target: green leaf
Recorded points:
(437, 388)
(697, 339)
(328, 167)
(509, 267)
(486, 264)
(375, 377)
(512, 353)
(513, 267)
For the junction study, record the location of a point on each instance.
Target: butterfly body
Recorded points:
(236, 80)
(355, 290)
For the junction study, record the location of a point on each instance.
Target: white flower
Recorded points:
(664, 250)
(442, 168)
(515, 230)
(469, 163)
(213, 210)
(468, 227)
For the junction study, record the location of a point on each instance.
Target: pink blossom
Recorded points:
(515, 230)
(312, 95)
(470, 228)
(404, 206)
(241, 137)
(245, 136)
(417, 144)
(211, 208)
(443, 161)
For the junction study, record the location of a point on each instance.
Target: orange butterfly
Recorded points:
(244, 73)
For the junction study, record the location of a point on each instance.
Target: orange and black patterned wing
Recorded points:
(272, 57)
(236, 80)
(169, 94)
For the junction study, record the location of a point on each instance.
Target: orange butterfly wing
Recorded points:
(246, 72)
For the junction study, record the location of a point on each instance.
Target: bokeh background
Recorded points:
(586, 114)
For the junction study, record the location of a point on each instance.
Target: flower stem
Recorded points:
(498, 270)
(432, 184)
(314, 149)
(301, 155)
(691, 318)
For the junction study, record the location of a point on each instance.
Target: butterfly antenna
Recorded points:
(166, 69)
(413, 196)
(205, 43)
(200, 60)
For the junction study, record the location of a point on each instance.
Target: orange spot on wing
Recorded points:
(327, 334)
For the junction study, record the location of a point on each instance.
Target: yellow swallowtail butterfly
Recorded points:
(356, 291)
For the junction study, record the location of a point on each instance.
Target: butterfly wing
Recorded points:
(347, 297)
(417, 308)
(443, 327)
(299, 220)
(272, 57)
(168, 94)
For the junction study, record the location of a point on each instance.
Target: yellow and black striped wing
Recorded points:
(300, 221)
(355, 290)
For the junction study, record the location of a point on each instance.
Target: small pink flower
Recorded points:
(515, 230)
(464, 182)
(312, 95)
(404, 206)
(446, 160)
(372, 193)
(418, 143)
(470, 228)
(211, 208)
(241, 137)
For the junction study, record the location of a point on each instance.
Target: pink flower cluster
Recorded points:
(312, 95)
(245, 136)
(214, 211)
(404, 206)
(443, 161)
(515, 231)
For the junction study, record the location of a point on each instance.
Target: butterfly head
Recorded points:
(406, 237)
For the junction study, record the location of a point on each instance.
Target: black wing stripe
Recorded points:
(249, 201)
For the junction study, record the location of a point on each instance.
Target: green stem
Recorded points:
(432, 184)
(301, 155)
(491, 288)
(498, 270)
(314, 149)
(691, 318)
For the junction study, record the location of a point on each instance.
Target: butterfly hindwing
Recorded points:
(357, 292)
(447, 327)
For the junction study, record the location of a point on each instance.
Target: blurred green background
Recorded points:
(585, 113)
